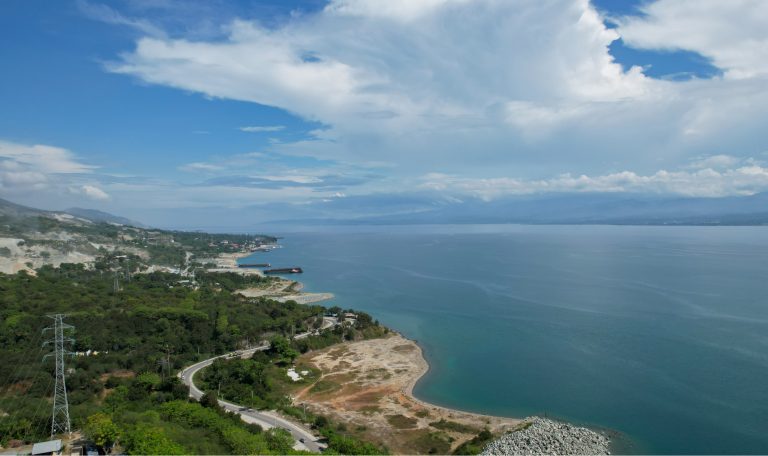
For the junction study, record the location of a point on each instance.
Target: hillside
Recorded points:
(145, 303)
(31, 238)
(542, 209)
(101, 216)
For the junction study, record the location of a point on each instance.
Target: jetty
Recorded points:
(254, 265)
(296, 270)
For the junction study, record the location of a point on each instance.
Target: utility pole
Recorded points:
(116, 284)
(165, 363)
(60, 416)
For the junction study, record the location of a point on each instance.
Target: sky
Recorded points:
(185, 114)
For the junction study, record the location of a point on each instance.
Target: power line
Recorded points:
(38, 425)
(17, 403)
(60, 415)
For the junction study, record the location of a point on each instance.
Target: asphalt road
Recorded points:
(305, 439)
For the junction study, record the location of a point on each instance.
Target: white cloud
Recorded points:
(361, 65)
(523, 85)
(748, 179)
(40, 158)
(200, 166)
(296, 178)
(484, 88)
(104, 13)
(715, 161)
(22, 180)
(46, 171)
(90, 191)
(732, 33)
(401, 10)
(265, 128)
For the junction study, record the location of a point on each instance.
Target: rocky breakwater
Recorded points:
(543, 436)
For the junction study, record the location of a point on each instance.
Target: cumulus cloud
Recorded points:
(518, 85)
(90, 191)
(40, 158)
(715, 161)
(46, 171)
(377, 68)
(485, 88)
(30, 168)
(733, 33)
(748, 179)
(398, 10)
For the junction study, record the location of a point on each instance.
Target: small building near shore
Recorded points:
(52, 447)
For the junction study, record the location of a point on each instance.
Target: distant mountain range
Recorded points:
(17, 211)
(582, 208)
(433, 208)
(95, 215)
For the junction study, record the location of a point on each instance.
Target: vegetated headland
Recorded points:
(367, 385)
(147, 303)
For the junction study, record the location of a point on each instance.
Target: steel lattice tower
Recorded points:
(60, 415)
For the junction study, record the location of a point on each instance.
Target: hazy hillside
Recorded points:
(587, 208)
(95, 215)
(31, 238)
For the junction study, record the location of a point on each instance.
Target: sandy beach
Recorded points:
(229, 260)
(283, 290)
(369, 386)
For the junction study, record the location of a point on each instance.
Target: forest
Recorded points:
(129, 343)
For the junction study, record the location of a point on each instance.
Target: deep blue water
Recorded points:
(657, 333)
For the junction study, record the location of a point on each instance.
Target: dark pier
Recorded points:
(254, 265)
(283, 271)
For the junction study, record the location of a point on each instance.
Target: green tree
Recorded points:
(101, 430)
(280, 349)
(147, 439)
(209, 400)
(280, 440)
(149, 380)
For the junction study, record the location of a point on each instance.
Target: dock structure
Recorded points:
(254, 265)
(295, 270)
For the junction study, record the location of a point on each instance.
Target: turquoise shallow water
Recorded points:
(657, 333)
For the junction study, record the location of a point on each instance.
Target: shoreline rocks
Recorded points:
(544, 436)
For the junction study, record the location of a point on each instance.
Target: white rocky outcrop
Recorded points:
(545, 436)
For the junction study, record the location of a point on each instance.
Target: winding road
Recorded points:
(305, 439)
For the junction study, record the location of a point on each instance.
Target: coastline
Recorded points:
(368, 384)
(421, 360)
(228, 262)
(283, 290)
(408, 390)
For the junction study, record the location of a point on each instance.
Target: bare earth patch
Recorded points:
(283, 290)
(368, 385)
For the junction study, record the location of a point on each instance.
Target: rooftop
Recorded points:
(51, 446)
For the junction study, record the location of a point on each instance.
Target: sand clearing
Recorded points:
(368, 385)
(283, 290)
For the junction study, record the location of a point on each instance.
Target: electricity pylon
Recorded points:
(60, 416)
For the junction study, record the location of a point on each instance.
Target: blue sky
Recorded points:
(171, 111)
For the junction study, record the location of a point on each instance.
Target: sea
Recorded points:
(655, 335)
